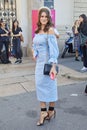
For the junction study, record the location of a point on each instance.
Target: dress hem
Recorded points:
(47, 100)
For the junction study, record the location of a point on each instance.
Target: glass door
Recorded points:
(8, 11)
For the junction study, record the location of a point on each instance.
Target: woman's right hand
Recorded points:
(33, 57)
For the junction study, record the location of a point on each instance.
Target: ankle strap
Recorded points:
(43, 109)
(51, 108)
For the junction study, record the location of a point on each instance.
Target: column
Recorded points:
(22, 16)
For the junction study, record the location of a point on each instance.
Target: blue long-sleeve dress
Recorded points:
(46, 50)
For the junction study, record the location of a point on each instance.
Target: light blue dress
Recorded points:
(46, 50)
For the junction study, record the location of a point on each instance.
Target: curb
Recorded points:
(72, 74)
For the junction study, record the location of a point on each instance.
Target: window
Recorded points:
(8, 10)
(49, 3)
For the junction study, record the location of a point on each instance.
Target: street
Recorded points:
(19, 108)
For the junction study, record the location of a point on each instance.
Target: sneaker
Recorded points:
(9, 62)
(85, 90)
(16, 61)
(20, 61)
(6, 62)
(84, 69)
(76, 59)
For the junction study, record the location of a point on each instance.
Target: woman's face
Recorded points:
(15, 24)
(43, 18)
(3, 24)
(80, 19)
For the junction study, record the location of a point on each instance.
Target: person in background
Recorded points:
(86, 90)
(76, 39)
(45, 49)
(16, 33)
(4, 40)
(83, 29)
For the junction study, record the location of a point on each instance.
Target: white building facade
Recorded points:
(66, 13)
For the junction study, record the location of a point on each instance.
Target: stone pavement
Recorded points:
(15, 79)
(72, 69)
(19, 109)
(21, 112)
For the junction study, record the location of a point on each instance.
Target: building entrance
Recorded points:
(8, 10)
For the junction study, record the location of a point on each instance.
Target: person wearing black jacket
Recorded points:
(4, 40)
(16, 33)
(83, 29)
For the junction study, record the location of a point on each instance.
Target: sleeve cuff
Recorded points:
(52, 60)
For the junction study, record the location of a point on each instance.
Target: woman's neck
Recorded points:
(42, 30)
(3, 27)
(42, 27)
(15, 28)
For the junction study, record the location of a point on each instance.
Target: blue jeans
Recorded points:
(1, 45)
(84, 51)
(80, 51)
(17, 48)
(6, 44)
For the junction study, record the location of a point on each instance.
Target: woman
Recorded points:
(4, 40)
(83, 29)
(16, 33)
(76, 39)
(45, 50)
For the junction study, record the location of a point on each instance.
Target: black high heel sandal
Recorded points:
(42, 118)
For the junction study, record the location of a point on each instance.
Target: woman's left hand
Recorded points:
(53, 70)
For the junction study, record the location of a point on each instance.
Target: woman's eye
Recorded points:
(43, 16)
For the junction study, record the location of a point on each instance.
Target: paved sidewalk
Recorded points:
(72, 74)
(72, 69)
(19, 109)
(15, 79)
(21, 112)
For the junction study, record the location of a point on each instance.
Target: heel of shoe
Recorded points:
(42, 119)
(54, 113)
(51, 115)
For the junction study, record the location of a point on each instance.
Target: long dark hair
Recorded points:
(1, 21)
(13, 27)
(84, 18)
(49, 23)
(82, 24)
